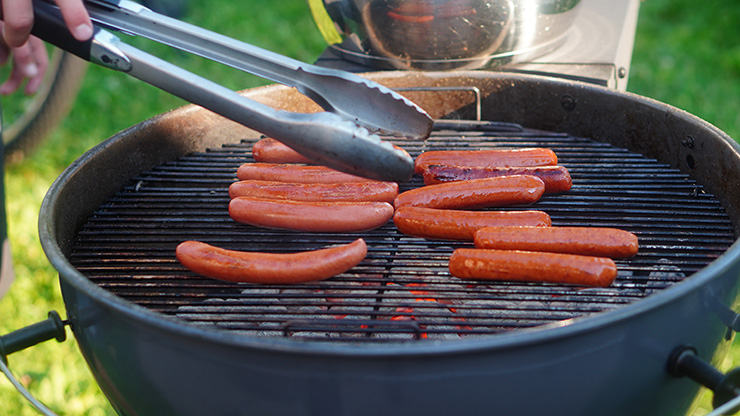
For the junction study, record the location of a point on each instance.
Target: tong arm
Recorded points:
(355, 98)
(325, 137)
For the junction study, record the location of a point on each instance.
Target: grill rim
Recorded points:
(516, 339)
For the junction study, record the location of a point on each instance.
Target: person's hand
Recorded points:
(25, 51)
(18, 18)
(29, 63)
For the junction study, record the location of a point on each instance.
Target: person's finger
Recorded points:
(77, 18)
(18, 18)
(23, 60)
(41, 60)
(14, 81)
(30, 63)
(4, 49)
(4, 54)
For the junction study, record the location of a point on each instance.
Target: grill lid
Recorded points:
(402, 291)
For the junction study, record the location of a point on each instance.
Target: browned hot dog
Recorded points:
(486, 158)
(475, 193)
(587, 241)
(269, 150)
(285, 172)
(557, 178)
(310, 216)
(449, 224)
(531, 266)
(277, 268)
(327, 192)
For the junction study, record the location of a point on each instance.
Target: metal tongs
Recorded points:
(343, 137)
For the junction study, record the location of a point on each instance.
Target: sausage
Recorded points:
(402, 150)
(587, 241)
(448, 224)
(557, 178)
(475, 193)
(310, 216)
(286, 172)
(495, 158)
(277, 268)
(327, 192)
(532, 266)
(270, 150)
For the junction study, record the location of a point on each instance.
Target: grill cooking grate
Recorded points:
(402, 291)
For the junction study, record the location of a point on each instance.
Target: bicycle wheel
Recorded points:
(28, 122)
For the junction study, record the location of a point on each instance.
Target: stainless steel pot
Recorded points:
(443, 34)
(613, 362)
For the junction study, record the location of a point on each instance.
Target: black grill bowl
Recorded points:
(606, 361)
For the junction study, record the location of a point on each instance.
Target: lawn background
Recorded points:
(685, 55)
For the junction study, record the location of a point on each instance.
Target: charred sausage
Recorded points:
(270, 150)
(286, 172)
(557, 178)
(476, 193)
(310, 216)
(448, 224)
(277, 268)
(531, 266)
(327, 192)
(500, 158)
(587, 241)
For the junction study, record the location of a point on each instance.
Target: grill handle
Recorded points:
(52, 327)
(684, 361)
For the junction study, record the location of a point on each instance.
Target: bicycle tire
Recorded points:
(49, 106)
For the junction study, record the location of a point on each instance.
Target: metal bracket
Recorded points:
(105, 52)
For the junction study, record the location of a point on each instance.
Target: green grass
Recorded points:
(685, 55)
(688, 56)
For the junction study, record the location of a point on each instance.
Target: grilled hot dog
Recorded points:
(486, 158)
(476, 193)
(269, 150)
(286, 172)
(587, 241)
(530, 266)
(557, 178)
(327, 192)
(310, 216)
(448, 224)
(277, 268)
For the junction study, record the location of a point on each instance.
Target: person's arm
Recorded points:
(27, 53)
